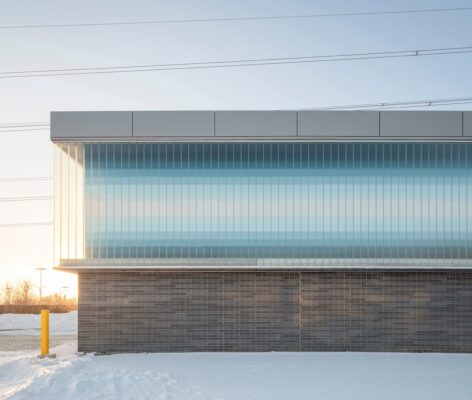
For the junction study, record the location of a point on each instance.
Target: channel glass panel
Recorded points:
(277, 204)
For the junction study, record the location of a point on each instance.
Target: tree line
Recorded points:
(23, 293)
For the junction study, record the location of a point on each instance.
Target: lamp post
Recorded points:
(41, 270)
(64, 291)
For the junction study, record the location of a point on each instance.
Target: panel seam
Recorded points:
(380, 113)
(132, 123)
(463, 123)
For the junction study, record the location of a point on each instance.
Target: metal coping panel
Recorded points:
(240, 125)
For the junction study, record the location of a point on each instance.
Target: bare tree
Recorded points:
(7, 294)
(24, 293)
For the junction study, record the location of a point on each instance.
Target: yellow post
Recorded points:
(44, 333)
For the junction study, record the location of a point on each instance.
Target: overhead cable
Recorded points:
(25, 224)
(235, 63)
(27, 179)
(24, 198)
(236, 19)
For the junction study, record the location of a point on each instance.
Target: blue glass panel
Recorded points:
(318, 203)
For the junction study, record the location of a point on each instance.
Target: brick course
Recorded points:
(157, 311)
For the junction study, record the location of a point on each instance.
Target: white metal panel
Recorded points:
(338, 123)
(421, 123)
(255, 123)
(93, 124)
(173, 123)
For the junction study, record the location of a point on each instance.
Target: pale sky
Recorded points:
(280, 86)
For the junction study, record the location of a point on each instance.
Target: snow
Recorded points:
(59, 324)
(236, 376)
(225, 376)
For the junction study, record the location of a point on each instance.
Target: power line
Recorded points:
(236, 19)
(27, 179)
(22, 124)
(25, 224)
(235, 63)
(403, 107)
(23, 127)
(27, 198)
(22, 130)
(398, 104)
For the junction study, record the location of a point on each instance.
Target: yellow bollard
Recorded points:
(44, 333)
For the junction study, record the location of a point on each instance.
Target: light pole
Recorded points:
(41, 269)
(64, 291)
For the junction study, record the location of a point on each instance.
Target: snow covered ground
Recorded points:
(224, 376)
(236, 376)
(22, 331)
(59, 324)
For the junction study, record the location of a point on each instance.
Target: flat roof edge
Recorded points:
(227, 125)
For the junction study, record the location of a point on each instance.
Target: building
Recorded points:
(267, 230)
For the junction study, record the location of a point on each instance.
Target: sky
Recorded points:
(29, 154)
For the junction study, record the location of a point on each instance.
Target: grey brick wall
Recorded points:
(275, 310)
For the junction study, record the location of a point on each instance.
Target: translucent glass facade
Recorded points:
(267, 204)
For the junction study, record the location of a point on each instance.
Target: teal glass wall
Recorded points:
(334, 204)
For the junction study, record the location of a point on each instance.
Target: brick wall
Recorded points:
(275, 310)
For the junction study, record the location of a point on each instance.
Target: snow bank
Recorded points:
(65, 323)
(236, 376)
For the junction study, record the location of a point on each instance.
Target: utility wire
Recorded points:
(25, 224)
(235, 63)
(403, 107)
(23, 127)
(398, 104)
(236, 19)
(22, 124)
(27, 179)
(22, 130)
(27, 198)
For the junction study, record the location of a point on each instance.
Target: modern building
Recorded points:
(267, 230)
